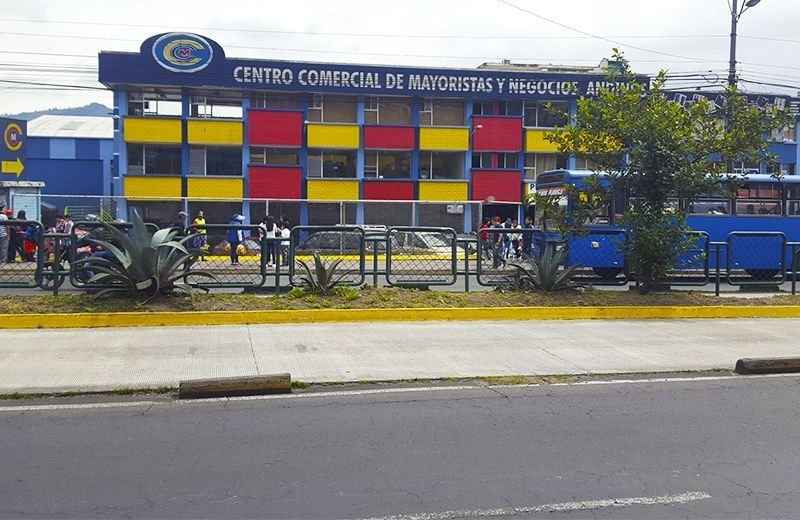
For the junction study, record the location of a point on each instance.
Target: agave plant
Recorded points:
(142, 264)
(322, 279)
(545, 272)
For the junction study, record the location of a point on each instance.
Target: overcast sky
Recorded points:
(692, 36)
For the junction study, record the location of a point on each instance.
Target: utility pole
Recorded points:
(736, 13)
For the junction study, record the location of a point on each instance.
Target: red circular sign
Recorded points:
(13, 137)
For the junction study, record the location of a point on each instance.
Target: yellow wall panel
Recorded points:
(535, 142)
(214, 132)
(214, 188)
(444, 191)
(332, 190)
(146, 187)
(446, 139)
(152, 130)
(334, 136)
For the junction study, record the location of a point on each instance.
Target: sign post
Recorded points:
(13, 149)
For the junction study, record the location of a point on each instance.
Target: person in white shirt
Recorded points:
(286, 234)
(3, 235)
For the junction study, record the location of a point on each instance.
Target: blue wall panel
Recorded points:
(87, 149)
(787, 153)
(62, 148)
(38, 147)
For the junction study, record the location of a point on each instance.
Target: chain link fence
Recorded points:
(343, 245)
(21, 253)
(756, 258)
(421, 256)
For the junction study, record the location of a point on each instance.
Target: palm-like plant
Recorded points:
(544, 273)
(323, 279)
(143, 264)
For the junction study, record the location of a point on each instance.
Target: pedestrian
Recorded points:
(516, 239)
(286, 234)
(180, 224)
(527, 237)
(4, 235)
(201, 237)
(235, 236)
(270, 231)
(498, 243)
(486, 243)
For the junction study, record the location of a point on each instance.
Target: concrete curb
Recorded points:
(235, 386)
(767, 365)
(178, 319)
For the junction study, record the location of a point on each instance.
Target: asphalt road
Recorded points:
(720, 448)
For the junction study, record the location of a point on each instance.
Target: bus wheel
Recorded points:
(762, 274)
(607, 273)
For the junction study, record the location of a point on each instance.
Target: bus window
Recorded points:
(760, 190)
(793, 200)
(710, 207)
(747, 208)
(672, 204)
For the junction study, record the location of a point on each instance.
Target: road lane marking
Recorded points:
(381, 391)
(584, 505)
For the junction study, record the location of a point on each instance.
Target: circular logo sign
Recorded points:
(181, 52)
(13, 137)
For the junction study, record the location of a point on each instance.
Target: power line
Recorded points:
(361, 35)
(614, 42)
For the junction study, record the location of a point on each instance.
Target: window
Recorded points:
(482, 160)
(793, 200)
(216, 106)
(264, 155)
(507, 160)
(154, 103)
(546, 114)
(441, 165)
(215, 160)
(335, 164)
(275, 101)
(783, 168)
(437, 112)
(759, 198)
(483, 108)
(154, 159)
(788, 134)
(387, 165)
(510, 108)
(708, 206)
(332, 109)
(745, 167)
(387, 111)
(536, 163)
(584, 163)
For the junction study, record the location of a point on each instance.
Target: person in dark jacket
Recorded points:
(235, 236)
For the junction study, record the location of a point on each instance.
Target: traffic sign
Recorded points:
(13, 149)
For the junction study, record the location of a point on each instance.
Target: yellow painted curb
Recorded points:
(155, 319)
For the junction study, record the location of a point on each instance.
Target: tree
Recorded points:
(661, 151)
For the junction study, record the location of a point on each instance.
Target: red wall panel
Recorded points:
(275, 127)
(276, 182)
(498, 134)
(388, 190)
(389, 137)
(499, 186)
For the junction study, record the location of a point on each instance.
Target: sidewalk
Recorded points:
(107, 359)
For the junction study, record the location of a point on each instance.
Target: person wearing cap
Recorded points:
(180, 224)
(201, 239)
(3, 235)
(235, 236)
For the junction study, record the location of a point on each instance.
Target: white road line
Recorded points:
(381, 391)
(551, 508)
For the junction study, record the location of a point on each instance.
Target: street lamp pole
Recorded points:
(736, 13)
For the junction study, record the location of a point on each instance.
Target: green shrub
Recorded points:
(145, 265)
(323, 278)
(544, 273)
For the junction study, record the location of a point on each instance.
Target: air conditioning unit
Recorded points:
(455, 209)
